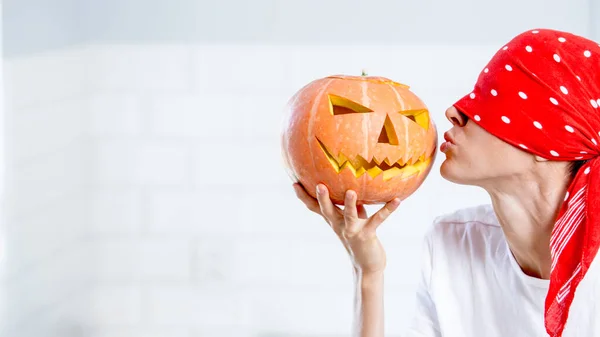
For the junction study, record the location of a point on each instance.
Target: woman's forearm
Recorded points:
(368, 305)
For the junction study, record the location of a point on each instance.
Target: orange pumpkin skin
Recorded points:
(364, 133)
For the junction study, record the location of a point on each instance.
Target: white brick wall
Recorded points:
(141, 162)
(139, 70)
(155, 174)
(45, 218)
(141, 259)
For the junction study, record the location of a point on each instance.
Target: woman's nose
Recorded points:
(456, 117)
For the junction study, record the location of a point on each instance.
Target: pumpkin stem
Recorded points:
(364, 72)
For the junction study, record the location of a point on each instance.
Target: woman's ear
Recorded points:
(540, 159)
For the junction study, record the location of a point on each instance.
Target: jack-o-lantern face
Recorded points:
(368, 134)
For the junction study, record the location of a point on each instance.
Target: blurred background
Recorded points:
(142, 188)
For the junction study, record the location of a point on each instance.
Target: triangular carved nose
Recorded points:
(388, 133)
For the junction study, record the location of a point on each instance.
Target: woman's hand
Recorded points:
(354, 228)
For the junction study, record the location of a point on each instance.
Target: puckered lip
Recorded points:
(448, 137)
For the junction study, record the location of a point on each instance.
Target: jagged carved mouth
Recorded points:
(359, 165)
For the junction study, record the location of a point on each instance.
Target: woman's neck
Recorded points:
(527, 209)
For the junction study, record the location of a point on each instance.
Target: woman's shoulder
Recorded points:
(481, 214)
(471, 227)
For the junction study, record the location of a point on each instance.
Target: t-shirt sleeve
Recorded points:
(425, 321)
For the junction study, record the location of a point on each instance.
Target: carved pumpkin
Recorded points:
(365, 133)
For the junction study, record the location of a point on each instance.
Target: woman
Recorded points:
(523, 266)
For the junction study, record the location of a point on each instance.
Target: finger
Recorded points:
(310, 202)
(379, 217)
(328, 209)
(350, 211)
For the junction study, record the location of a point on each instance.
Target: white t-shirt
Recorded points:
(471, 285)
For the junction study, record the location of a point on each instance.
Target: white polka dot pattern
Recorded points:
(530, 52)
(556, 58)
(569, 128)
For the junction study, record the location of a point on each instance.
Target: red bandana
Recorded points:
(541, 92)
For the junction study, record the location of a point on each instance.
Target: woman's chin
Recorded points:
(450, 171)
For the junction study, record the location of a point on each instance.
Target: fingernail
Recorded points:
(318, 189)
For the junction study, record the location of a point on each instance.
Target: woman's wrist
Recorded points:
(369, 279)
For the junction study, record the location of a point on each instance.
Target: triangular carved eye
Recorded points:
(339, 106)
(420, 116)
